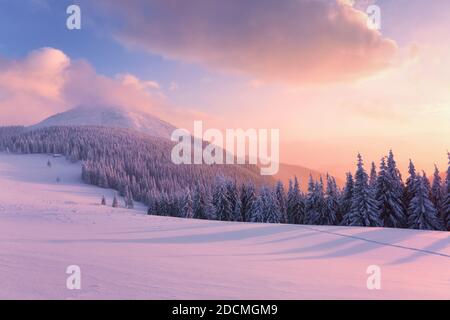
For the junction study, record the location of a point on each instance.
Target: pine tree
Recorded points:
(345, 202)
(234, 200)
(389, 199)
(221, 202)
(410, 188)
(203, 208)
(187, 210)
(423, 214)
(426, 183)
(437, 194)
(373, 176)
(315, 212)
(257, 210)
(129, 203)
(295, 206)
(266, 208)
(363, 210)
(281, 201)
(248, 197)
(331, 202)
(446, 205)
(103, 201)
(115, 203)
(49, 164)
(394, 174)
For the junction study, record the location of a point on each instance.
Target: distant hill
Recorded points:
(113, 117)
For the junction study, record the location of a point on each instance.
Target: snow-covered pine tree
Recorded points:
(115, 203)
(373, 176)
(446, 206)
(409, 190)
(331, 202)
(394, 174)
(234, 200)
(423, 215)
(268, 206)
(437, 194)
(363, 210)
(389, 199)
(426, 182)
(295, 204)
(129, 203)
(248, 197)
(187, 211)
(257, 210)
(310, 202)
(315, 203)
(203, 208)
(281, 201)
(221, 202)
(345, 202)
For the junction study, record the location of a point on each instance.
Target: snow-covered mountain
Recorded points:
(110, 117)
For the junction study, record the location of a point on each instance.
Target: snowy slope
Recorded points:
(46, 226)
(110, 117)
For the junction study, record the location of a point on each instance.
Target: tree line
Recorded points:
(376, 199)
(139, 168)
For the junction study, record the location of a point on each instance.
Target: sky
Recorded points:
(310, 68)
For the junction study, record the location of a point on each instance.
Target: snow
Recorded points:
(46, 226)
(110, 117)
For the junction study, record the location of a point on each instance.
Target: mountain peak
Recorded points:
(113, 116)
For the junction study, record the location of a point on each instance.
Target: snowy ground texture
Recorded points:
(46, 226)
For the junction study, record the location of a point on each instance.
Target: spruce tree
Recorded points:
(389, 199)
(446, 202)
(221, 201)
(409, 190)
(373, 176)
(345, 202)
(423, 214)
(248, 197)
(266, 208)
(187, 210)
(234, 200)
(295, 206)
(203, 208)
(115, 203)
(281, 201)
(437, 194)
(315, 212)
(363, 210)
(331, 202)
(394, 174)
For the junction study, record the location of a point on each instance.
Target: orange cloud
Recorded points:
(294, 41)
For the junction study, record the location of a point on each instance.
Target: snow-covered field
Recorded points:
(46, 226)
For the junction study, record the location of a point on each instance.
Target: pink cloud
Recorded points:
(289, 41)
(47, 81)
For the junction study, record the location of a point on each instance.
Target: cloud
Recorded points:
(47, 81)
(295, 41)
